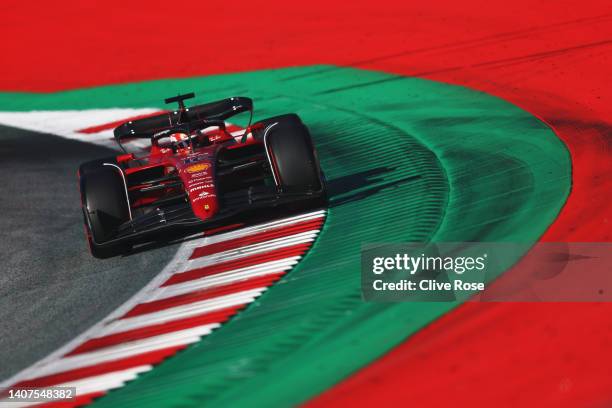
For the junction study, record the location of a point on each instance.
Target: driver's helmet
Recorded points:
(180, 140)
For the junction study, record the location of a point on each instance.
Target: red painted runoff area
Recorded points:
(551, 58)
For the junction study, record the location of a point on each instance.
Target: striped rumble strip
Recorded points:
(209, 280)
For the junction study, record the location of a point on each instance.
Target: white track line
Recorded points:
(67, 123)
(232, 254)
(224, 278)
(125, 350)
(89, 385)
(108, 381)
(181, 312)
(31, 372)
(268, 226)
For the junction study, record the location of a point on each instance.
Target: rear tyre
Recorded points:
(292, 155)
(105, 208)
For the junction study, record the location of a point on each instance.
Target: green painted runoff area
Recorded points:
(406, 160)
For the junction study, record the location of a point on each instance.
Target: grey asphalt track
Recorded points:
(51, 289)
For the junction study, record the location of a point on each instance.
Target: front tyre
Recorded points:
(105, 208)
(292, 155)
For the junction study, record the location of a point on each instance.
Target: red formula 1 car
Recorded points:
(197, 174)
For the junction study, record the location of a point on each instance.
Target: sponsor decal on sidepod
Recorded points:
(197, 168)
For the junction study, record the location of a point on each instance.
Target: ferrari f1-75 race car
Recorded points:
(196, 174)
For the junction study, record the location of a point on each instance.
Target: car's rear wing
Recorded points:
(147, 127)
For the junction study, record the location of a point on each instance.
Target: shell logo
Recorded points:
(197, 167)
